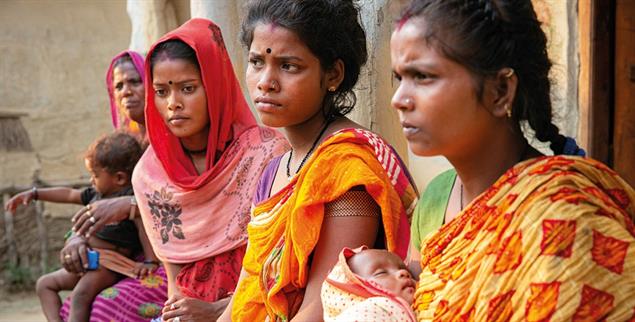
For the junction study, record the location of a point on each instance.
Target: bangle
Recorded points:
(34, 192)
(151, 262)
(133, 208)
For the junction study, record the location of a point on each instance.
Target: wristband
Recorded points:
(34, 192)
(133, 208)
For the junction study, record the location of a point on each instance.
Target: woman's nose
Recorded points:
(402, 100)
(268, 83)
(174, 103)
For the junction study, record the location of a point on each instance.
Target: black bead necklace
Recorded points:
(190, 152)
(317, 139)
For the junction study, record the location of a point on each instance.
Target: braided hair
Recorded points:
(488, 35)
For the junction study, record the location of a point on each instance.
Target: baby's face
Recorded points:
(385, 269)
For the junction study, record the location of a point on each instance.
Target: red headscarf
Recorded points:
(118, 120)
(228, 111)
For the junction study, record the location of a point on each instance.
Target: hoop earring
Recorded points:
(332, 89)
(509, 73)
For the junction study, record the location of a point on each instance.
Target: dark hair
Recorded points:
(118, 151)
(331, 29)
(121, 60)
(173, 49)
(488, 35)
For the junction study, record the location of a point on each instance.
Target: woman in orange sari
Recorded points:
(339, 186)
(524, 236)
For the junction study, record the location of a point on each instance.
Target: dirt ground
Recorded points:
(21, 307)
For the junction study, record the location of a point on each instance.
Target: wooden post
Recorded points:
(43, 236)
(8, 229)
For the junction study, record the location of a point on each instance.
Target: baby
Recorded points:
(368, 285)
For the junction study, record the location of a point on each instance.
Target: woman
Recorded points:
(339, 186)
(195, 181)
(526, 237)
(125, 83)
(129, 299)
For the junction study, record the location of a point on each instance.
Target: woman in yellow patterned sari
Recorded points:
(339, 186)
(523, 237)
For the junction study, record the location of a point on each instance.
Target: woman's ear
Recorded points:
(335, 75)
(503, 88)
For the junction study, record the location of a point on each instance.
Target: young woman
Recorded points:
(526, 236)
(339, 186)
(195, 181)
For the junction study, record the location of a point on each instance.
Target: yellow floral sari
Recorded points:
(552, 240)
(285, 228)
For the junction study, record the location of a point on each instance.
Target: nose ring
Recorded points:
(274, 85)
(408, 101)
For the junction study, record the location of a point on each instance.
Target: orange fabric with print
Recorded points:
(552, 240)
(285, 228)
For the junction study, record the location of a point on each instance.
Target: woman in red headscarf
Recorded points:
(194, 185)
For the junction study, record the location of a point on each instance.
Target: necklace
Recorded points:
(317, 139)
(201, 151)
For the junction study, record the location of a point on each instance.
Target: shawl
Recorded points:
(118, 115)
(187, 216)
(552, 239)
(285, 228)
(348, 297)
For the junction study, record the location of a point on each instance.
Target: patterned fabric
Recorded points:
(190, 217)
(119, 118)
(347, 297)
(551, 240)
(129, 300)
(285, 228)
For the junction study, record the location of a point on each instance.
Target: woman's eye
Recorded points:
(420, 77)
(188, 89)
(289, 67)
(159, 92)
(119, 86)
(256, 62)
(397, 77)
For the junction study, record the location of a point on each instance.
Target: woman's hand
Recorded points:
(73, 255)
(102, 212)
(22, 198)
(182, 309)
(141, 270)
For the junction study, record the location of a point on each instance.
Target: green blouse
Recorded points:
(431, 208)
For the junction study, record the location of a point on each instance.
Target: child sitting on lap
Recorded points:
(368, 285)
(110, 161)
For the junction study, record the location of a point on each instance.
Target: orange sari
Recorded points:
(552, 240)
(285, 228)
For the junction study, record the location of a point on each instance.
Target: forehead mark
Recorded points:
(268, 50)
(169, 82)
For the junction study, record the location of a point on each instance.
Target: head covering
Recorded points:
(228, 111)
(119, 118)
(347, 296)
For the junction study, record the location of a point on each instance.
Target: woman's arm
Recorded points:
(151, 262)
(227, 313)
(349, 223)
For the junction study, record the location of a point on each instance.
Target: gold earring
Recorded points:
(332, 89)
(509, 73)
(508, 110)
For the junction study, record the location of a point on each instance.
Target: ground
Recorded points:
(21, 307)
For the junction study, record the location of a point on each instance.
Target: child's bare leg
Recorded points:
(87, 289)
(47, 289)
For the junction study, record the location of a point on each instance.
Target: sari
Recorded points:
(199, 220)
(348, 297)
(117, 113)
(285, 228)
(550, 240)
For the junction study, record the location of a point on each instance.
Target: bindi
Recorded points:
(169, 82)
(268, 50)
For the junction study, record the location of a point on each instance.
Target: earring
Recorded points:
(508, 110)
(332, 89)
(509, 73)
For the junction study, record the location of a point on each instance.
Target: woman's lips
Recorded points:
(267, 105)
(408, 129)
(178, 120)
